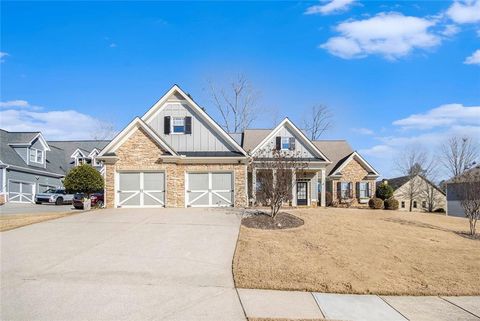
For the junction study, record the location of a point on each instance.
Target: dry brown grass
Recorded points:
(10, 222)
(362, 251)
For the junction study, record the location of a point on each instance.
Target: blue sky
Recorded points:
(394, 74)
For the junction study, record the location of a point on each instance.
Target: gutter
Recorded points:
(29, 170)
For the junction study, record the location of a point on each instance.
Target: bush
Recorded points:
(375, 203)
(83, 179)
(391, 204)
(439, 210)
(384, 191)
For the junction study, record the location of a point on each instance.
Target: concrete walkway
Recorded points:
(320, 306)
(128, 264)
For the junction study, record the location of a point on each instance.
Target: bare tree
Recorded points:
(275, 178)
(459, 154)
(430, 192)
(104, 131)
(319, 120)
(414, 164)
(238, 105)
(467, 188)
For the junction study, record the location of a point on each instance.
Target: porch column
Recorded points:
(314, 190)
(294, 188)
(254, 186)
(323, 186)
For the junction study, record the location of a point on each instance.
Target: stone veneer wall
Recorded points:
(353, 172)
(141, 153)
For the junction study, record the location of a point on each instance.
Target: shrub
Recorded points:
(384, 191)
(391, 204)
(439, 210)
(83, 179)
(375, 203)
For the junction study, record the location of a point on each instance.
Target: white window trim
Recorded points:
(172, 125)
(35, 152)
(281, 142)
(366, 190)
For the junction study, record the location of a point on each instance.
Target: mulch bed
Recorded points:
(264, 222)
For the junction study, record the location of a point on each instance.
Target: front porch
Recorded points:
(308, 187)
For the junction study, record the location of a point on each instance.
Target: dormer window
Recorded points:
(36, 156)
(178, 125)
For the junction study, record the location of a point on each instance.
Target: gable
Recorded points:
(354, 160)
(206, 135)
(202, 139)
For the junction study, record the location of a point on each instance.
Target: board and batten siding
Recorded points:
(202, 138)
(300, 149)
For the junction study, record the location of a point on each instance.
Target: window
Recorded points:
(36, 155)
(178, 125)
(363, 190)
(345, 190)
(403, 204)
(285, 143)
(424, 204)
(414, 204)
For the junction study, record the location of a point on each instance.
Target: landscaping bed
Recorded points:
(266, 222)
(362, 251)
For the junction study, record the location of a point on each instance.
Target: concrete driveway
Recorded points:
(31, 209)
(128, 264)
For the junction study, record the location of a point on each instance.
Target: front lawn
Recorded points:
(362, 251)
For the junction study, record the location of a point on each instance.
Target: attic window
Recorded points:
(36, 155)
(178, 125)
(285, 143)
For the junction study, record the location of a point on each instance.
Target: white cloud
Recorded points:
(445, 115)
(363, 131)
(331, 7)
(113, 45)
(3, 55)
(473, 59)
(58, 125)
(14, 103)
(466, 11)
(450, 30)
(391, 35)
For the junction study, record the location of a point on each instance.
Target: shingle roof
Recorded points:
(55, 159)
(337, 151)
(86, 146)
(253, 137)
(397, 182)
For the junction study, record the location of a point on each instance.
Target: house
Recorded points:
(424, 195)
(176, 155)
(29, 164)
(456, 190)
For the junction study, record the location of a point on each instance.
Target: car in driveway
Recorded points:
(95, 198)
(54, 195)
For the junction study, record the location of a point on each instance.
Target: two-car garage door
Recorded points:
(147, 189)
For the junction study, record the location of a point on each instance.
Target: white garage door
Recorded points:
(209, 189)
(20, 192)
(141, 189)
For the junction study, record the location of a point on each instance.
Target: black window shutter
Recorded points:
(292, 143)
(166, 125)
(188, 125)
(368, 188)
(357, 189)
(339, 190)
(278, 143)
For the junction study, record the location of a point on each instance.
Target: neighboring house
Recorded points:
(29, 164)
(176, 155)
(332, 166)
(426, 195)
(455, 187)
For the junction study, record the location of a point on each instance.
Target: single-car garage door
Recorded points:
(209, 189)
(141, 189)
(20, 192)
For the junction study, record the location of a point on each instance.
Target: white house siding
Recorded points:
(203, 138)
(401, 194)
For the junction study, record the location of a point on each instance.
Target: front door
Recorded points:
(302, 193)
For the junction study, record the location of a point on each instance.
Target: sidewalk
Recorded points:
(293, 305)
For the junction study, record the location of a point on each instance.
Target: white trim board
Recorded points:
(359, 159)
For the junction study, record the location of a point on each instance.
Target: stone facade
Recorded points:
(353, 172)
(141, 153)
